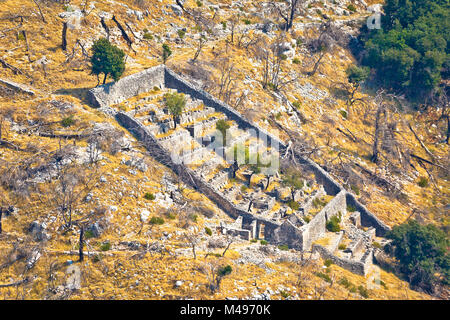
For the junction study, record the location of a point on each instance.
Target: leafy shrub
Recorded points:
(253, 240)
(199, 3)
(328, 262)
(294, 205)
(351, 208)
(68, 121)
(342, 246)
(333, 224)
(167, 52)
(246, 21)
(376, 245)
(307, 219)
(181, 33)
(324, 276)
(351, 7)
(423, 182)
(149, 196)
(208, 231)
(148, 36)
(355, 189)
(343, 113)
(283, 247)
(224, 271)
(296, 61)
(88, 234)
(345, 282)
(263, 242)
(296, 104)
(422, 251)
(105, 246)
(363, 292)
(156, 220)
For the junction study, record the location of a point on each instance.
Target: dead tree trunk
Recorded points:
(122, 30)
(40, 11)
(64, 36)
(316, 65)
(1, 212)
(105, 26)
(81, 244)
(378, 131)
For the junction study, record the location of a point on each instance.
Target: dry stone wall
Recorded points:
(161, 76)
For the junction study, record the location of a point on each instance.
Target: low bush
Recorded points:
(156, 220)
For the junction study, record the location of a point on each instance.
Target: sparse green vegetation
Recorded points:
(105, 246)
(324, 276)
(181, 33)
(333, 224)
(351, 8)
(355, 189)
(156, 220)
(208, 231)
(166, 52)
(363, 291)
(422, 182)
(283, 247)
(67, 122)
(148, 36)
(149, 196)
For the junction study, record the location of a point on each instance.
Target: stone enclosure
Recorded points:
(257, 201)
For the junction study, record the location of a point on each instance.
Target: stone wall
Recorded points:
(160, 76)
(368, 219)
(187, 175)
(359, 267)
(316, 227)
(127, 87)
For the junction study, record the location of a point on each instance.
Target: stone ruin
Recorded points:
(259, 213)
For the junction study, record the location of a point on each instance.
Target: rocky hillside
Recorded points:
(69, 169)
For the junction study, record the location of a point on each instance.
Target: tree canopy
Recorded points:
(410, 52)
(107, 59)
(175, 102)
(422, 252)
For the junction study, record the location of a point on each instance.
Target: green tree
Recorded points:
(411, 50)
(422, 251)
(293, 179)
(107, 59)
(166, 52)
(356, 76)
(175, 102)
(222, 126)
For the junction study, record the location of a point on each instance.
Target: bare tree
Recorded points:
(288, 10)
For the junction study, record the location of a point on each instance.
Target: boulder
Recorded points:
(38, 231)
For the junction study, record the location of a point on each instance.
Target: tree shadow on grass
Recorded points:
(79, 93)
